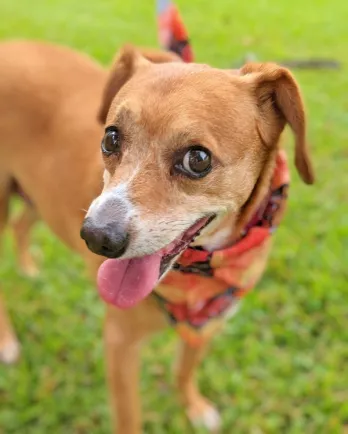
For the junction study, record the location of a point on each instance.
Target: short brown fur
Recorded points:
(52, 121)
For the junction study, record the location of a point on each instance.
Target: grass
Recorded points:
(281, 365)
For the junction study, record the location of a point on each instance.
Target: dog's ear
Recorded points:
(279, 101)
(127, 62)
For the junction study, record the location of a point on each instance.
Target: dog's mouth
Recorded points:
(125, 282)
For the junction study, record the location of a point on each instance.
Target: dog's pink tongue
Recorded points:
(124, 283)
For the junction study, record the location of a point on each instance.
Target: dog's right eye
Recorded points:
(111, 141)
(196, 163)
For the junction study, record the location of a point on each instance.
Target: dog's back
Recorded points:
(49, 98)
(49, 153)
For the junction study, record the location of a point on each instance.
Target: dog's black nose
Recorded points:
(106, 240)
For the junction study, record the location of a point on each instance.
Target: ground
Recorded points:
(281, 365)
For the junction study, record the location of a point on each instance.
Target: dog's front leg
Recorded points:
(123, 334)
(199, 410)
(122, 367)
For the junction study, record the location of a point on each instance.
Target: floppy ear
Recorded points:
(280, 103)
(127, 62)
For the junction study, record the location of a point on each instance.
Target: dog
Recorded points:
(191, 154)
(196, 151)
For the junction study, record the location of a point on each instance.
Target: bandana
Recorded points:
(205, 287)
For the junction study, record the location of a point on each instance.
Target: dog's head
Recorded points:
(185, 145)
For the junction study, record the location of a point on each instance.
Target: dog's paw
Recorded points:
(29, 268)
(202, 414)
(9, 352)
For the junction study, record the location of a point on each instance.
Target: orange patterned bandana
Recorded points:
(205, 287)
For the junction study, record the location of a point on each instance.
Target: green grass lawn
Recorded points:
(282, 364)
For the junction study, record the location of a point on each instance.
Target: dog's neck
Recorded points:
(223, 236)
(231, 227)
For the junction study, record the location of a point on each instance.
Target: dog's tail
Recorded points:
(172, 32)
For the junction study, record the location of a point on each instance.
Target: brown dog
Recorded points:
(194, 149)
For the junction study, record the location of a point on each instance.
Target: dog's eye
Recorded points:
(196, 162)
(111, 141)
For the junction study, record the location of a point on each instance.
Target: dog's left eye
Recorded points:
(111, 141)
(196, 162)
